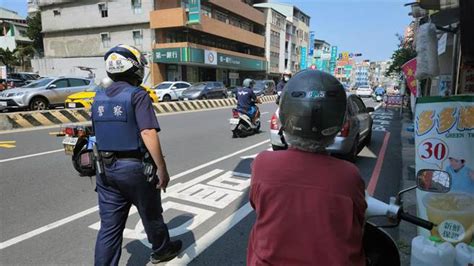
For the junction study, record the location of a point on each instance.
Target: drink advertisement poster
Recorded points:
(444, 140)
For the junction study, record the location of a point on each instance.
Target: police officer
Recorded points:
(247, 100)
(126, 129)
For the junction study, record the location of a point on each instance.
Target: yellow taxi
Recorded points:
(85, 98)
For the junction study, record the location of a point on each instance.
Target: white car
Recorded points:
(364, 91)
(170, 90)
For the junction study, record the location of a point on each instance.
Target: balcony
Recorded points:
(168, 18)
(241, 9)
(176, 17)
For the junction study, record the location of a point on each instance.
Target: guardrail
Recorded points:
(68, 116)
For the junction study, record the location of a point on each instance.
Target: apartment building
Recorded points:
(78, 33)
(296, 37)
(208, 40)
(275, 35)
(322, 55)
(12, 30)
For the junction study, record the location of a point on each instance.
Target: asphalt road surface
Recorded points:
(49, 214)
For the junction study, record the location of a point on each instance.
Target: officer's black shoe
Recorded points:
(168, 253)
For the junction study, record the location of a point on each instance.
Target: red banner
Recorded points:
(409, 69)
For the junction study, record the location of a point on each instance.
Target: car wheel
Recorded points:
(38, 104)
(352, 155)
(166, 98)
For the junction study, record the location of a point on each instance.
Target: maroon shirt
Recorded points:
(310, 210)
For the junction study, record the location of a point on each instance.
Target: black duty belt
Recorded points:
(124, 154)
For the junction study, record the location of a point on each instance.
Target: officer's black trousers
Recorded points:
(126, 185)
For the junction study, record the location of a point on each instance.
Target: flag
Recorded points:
(409, 69)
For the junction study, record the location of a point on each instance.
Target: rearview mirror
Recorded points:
(433, 181)
(370, 109)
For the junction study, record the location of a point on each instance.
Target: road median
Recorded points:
(20, 120)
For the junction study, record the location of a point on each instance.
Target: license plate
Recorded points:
(234, 121)
(3, 103)
(186, 99)
(71, 105)
(69, 141)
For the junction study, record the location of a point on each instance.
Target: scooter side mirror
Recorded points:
(433, 181)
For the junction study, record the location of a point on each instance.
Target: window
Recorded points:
(137, 6)
(206, 11)
(62, 83)
(103, 10)
(22, 33)
(274, 38)
(182, 85)
(221, 16)
(77, 82)
(138, 37)
(105, 37)
(56, 12)
(360, 106)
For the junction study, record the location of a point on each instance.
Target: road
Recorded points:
(49, 214)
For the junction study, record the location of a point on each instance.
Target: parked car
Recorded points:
(364, 91)
(16, 82)
(356, 131)
(85, 98)
(264, 87)
(205, 90)
(170, 90)
(26, 77)
(43, 93)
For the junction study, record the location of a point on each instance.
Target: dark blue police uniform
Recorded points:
(246, 99)
(119, 114)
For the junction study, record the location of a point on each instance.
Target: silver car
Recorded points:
(355, 134)
(42, 94)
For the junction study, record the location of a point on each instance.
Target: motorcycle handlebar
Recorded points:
(415, 220)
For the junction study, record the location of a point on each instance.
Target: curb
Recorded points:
(20, 120)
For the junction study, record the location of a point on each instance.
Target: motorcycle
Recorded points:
(78, 142)
(241, 124)
(379, 247)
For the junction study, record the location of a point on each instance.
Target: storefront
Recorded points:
(195, 65)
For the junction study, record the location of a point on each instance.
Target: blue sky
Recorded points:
(363, 26)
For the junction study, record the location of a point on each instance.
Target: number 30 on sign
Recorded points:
(433, 151)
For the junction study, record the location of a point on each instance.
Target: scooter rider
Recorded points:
(379, 91)
(126, 129)
(310, 209)
(247, 100)
(284, 79)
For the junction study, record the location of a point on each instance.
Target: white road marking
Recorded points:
(76, 216)
(46, 228)
(210, 237)
(366, 152)
(264, 113)
(30, 155)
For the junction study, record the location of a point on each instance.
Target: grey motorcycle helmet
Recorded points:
(248, 83)
(313, 106)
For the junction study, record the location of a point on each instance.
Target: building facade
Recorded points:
(196, 41)
(275, 34)
(296, 37)
(322, 55)
(360, 76)
(12, 30)
(76, 46)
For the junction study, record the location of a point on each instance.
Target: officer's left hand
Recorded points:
(164, 180)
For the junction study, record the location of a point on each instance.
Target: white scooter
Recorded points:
(379, 247)
(241, 124)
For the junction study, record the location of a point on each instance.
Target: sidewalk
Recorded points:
(407, 231)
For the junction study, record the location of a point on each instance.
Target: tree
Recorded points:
(9, 58)
(403, 54)
(34, 32)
